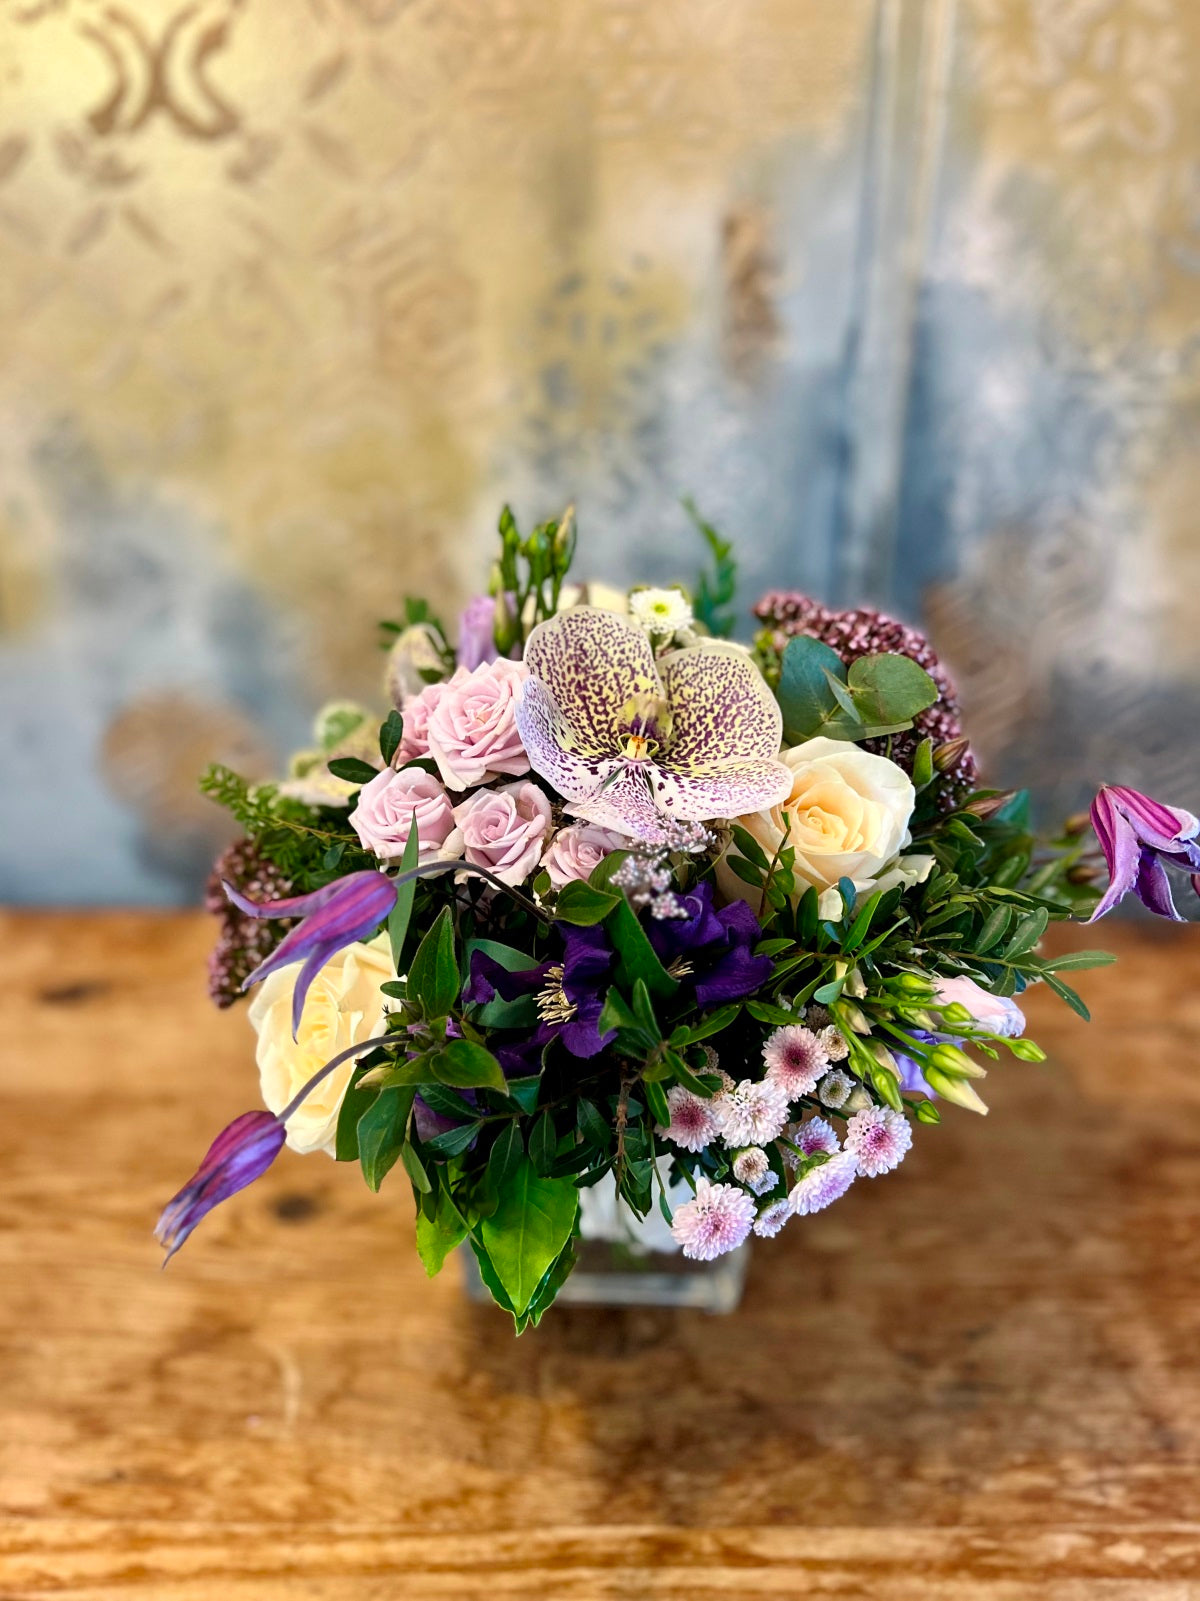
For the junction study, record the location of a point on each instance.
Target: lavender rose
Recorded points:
(502, 829)
(417, 711)
(575, 852)
(383, 817)
(472, 730)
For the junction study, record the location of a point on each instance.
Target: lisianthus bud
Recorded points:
(1027, 1051)
(911, 984)
(927, 1112)
(916, 1017)
(956, 1090)
(857, 1101)
(956, 1012)
(855, 1017)
(1082, 873)
(883, 1057)
(950, 754)
(950, 1060)
(1077, 823)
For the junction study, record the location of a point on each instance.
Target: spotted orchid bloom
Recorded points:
(1140, 837)
(644, 746)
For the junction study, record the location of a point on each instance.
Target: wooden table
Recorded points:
(976, 1378)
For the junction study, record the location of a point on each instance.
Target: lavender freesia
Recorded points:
(340, 914)
(239, 1154)
(1140, 838)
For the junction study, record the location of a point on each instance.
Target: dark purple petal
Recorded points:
(489, 978)
(587, 956)
(1154, 887)
(239, 1154)
(734, 976)
(581, 1035)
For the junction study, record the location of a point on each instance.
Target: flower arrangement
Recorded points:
(609, 899)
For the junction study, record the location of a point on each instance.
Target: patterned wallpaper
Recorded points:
(295, 292)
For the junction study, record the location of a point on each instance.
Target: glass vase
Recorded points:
(624, 1260)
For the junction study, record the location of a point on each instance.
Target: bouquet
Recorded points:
(607, 899)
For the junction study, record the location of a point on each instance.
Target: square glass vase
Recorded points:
(624, 1260)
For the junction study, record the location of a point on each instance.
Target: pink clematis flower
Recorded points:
(1139, 837)
(644, 745)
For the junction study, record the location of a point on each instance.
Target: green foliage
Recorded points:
(527, 1232)
(877, 695)
(716, 590)
(308, 845)
(433, 980)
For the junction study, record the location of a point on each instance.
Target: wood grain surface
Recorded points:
(973, 1380)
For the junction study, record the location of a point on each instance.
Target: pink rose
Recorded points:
(502, 830)
(418, 709)
(998, 1013)
(472, 730)
(384, 815)
(576, 851)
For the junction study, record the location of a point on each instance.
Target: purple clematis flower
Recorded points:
(348, 910)
(239, 1154)
(568, 994)
(711, 952)
(649, 747)
(1140, 837)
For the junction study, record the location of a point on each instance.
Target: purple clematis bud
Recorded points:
(1140, 837)
(477, 633)
(342, 913)
(239, 1154)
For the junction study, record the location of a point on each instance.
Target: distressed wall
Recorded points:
(293, 295)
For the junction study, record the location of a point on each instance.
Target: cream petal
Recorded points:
(549, 744)
(723, 710)
(590, 662)
(748, 785)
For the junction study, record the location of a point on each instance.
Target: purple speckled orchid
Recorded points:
(644, 746)
(1140, 838)
(340, 914)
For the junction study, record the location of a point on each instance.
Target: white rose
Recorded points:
(849, 814)
(342, 1008)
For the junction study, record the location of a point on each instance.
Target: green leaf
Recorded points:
(716, 593)
(433, 976)
(543, 1144)
(555, 1277)
(454, 1140)
(765, 1012)
(690, 1033)
(1077, 961)
(804, 695)
(438, 1235)
(826, 994)
(890, 688)
(381, 1133)
(449, 1104)
(1029, 930)
(488, 1274)
(398, 918)
(352, 770)
(656, 1100)
(582, 904)
(749, 847)
(1066, 993)
(861, 924)
(994, 929)
(527, 1231)
(636, 957)
(749, 872)
(390, 736)
(415, 1169)
(354, 1104)
(922, 767)
(525, 1092)
(505, 1155)
(467, 1066)
(643, 1008)
(592, 1123)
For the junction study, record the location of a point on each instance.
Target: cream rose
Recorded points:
(342, 1008)
(849, 813)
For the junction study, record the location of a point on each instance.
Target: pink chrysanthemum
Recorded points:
(833, 1042)
(817, 1135)
(717, 1219)
(824, 1185)
(772, 1218)
(752, 1168)
(878, 1139)
(795, 1060)
(692, 1124)
(750, 1114)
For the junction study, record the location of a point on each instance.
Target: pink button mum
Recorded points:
(717, 1219)
(824, 1185)
(795, 1059)
(751, 1114)
(878, 1139)
(692, 1124)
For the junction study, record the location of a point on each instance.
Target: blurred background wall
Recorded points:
(293, 295)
